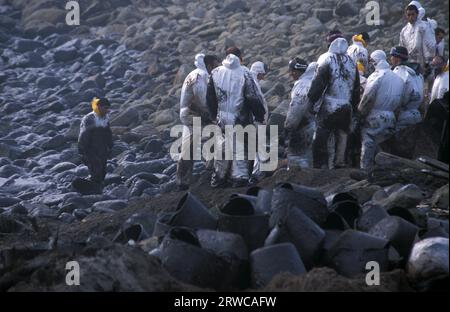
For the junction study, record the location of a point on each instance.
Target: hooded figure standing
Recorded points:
(358, 52)
(258, 70)
(414, 88)
(193, 104)
(234, 97)
(337, 82)
(95, 144)
(416, 36)
(381, 99)
(440, 85)
(300, 122)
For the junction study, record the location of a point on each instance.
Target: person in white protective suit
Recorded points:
(417, 36)
(358, 52)
(440, 42)
(193, 104)
(234, 97)
(300, 122)
(336, 82)
(381, 99)
(258, 70)
(413, 97)
(440, 85)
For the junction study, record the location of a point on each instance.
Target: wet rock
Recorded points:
(324, 15)
(138, 187)
(126, 118)
(117, 69)
(4, 150)
(109, 205)
(129, 169)
(8, 201)
(428, 265)
(440, 198)
(407, 196)
(347, 8)
(9, 225)
(41, 211)
(25, 45)
(154, 146)
(65, 55)
(55, 199)
(64, 166)
(48, 82)
(27, 60)
(9, 170)
(67, 218)
(96, 58)
(80, 214)
(235, 6)
(54, 143)
(55, 107)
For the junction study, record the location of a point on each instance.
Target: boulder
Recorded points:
(126, 118)
(109, 205)
(66, 55)
(153, 166)
(440, 198)
(26, 45)
(48, 82)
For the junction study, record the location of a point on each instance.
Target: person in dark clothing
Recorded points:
(94, 145)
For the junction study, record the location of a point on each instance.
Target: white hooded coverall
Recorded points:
(381, 98)
(256, 69)
(192, 104)
(236, 99)
(359, 54)
(418, 39)
(300, 122)
(336, 81)
(413, 97)
(440, 86)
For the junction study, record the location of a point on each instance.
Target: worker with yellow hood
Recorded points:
(358, 52)
(95, 144)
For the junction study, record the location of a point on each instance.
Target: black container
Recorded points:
(239, 216)
(184, 258)
(352, 250)
(371, 216)
(264, 198)
(138, 227)
(336, 222)
(398, 231)
(303, 233)
(267, 262)
(311, 202)
(163, 224)
(231, 248)
(435, 228)
(192, 213)
(349, 210)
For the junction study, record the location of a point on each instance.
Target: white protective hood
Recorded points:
(200, 61)
(339, 46)
(232, 62)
